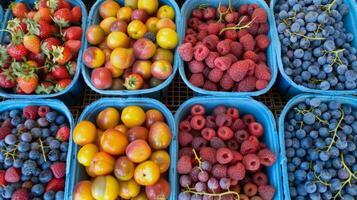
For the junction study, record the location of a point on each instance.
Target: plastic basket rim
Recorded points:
(1, 13)
(302, 88)
(273, 68)
(157, 88)
(75, 79)
(292, 102)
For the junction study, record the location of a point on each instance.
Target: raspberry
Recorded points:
(230, 34)
(231, 17)
(211, 122)
(197, 13)
(266, 192)
(243, 9)
(263, 41)
(250, 189)
(251, 55)
(266, 157)
(236, 156)
(248, 118)
(241, 135)
(213, 28)
(198, 122)
(6, 123)
(211, 41)
(197, 80)
(208, 133)
(262, 72)
(238, 124)
(217, 143)
(247, 84)
(185, 126)
(223, 62)
(224, 47)
(186, 151)
(12, 175)
(236, 172)
(219, 171)
(209, 13)
(184, 138)
(4, 131)
(201, 35)
(232, 144)
(259, 15)
(219, 110)
(190, 31)
(236, 49)
(186, 51)
(206, 71)
(226, 82)
(256, 129)
(232, 57)
(225, 133)
(243, 197)
(215, 75)
(198, 143)
(244, 19)
(253, 28)
(197, 110)
(194, 23)
(247, 42)
(20, 194)
(259, 178)
(43, 110)
(263, 28)
(184, 165)
(208, 154)
(196, 66)
(191, 38)
(233, 112)
(249, 146)
(200, 52)
(251, 162)
(262, 56)
(224, 155)
(261, 84)
(202, 27)
(223, 120)
(30, 112)
(242, 33)
(251, 69)
(210, 59)
(238, 70)
(209, 85)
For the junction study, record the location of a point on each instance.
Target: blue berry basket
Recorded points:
(75, 88)
(1, 13)
(186, 10)
(245, 105)
(155, 92)
(287, 86)
(78, 172)
(350, 100)
(53, 104)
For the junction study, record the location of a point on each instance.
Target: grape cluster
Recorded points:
(315, 45)
(320, 141)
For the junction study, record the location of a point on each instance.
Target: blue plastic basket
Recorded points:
(288, 87)
(75, 87)
(186, 10)
(154, 92)
(78, 172)
(1, 13)
(350, 100)
(245, 105)
(53, 104)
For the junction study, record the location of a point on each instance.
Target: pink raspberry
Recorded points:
(266, 192)
(226, 82)
(266, 157)
(256, 129)
(208, 154)
(30, 112)
(223, 47)
(210, 121)
(209, 85)
(243, 9)
(191, 38)
(248, 42)
(184, 165)
(238, 124)
(215, 75)
(200, 52)
(209, 13)
(251, 55)
(219, 171)
(260, 178)
(233, 145)
(263, 28)
(190, 31)
(185, 138)
(185, 126)
(223, 120)
(225, 133)
(197, 110)
(198, 143)
(217, 143)
(211, 58)
(259, 15)
(223, 62)
(201, 35)
(262, 56)
(236, 172)
(219, 110)
(194, 23)
(197, 13)
(236, 156)
(232, 57)
(251, 162)
(196, 66)
(202, 27)
(262, 72)
(247, 84)
(242, 33)
(261, 84)
(197, 80)
(208, 133)
(249, 146)
(251, 70)
(224, 155)
(211, 41)
(236, 49)
(43, 110)
(253, 28)
(186, 151)
(186, 51)
(238, 70)
(231, 17)
(248, 118)
(241, 135)
(231, 34)
(263, 41)
(198, 122)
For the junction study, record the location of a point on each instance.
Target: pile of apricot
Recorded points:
(125, 154)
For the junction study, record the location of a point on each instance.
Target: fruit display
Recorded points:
(222, 156)
(125, 152)
(316, 48)
(34, 146)
(40, 47)
(320, 147)
(225, 48)
(131, 46)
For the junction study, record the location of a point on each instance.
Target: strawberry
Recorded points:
(62, 84)
(27, 83)
(18, 90)
(7, 123)
(58, 168)
(3, 182)
(71, 67)
(49, 77)
(59, 72)
(19, 9)
(38, 57)
(62, 17)
(4, 131)
(7, 80)
(73, 33)
(55, 184)
(17, 51)
(63, 133)
(41, 4)
(76, 14)
(32, 43)
(46, 30)
(43, 14)
(58, 4)
(46, 87)
(12, 175)
(17, 24)
(48, 44)
(73, 45)
(61, 55)
(20, 194)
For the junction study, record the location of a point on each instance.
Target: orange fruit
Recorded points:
(82, 191)
(84, 133)
(147, 173)
(117, 39)
(105, 188)
(161, 158)
(106, 23)
(108, 8)
(114, 142)
(133, 116)
(121, 128)
(128, 189)
(124, 13)
(138, 151)
(102, 164)
(124, 169)
(86, 154)
(108, 118)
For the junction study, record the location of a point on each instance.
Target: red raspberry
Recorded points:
(209, 85)
(250, 189)
(224, 155)
(6, 123)
(194, 23)
(249, 146)
(191, 38)
(238, 70)
(211, 122)
(200, 52)
(238, 124)
(233, 145)
(185, 138)
(4, 131)
(210, 59)
(208, 133)
(202, 27)
(30, 112)
(262, 72)
(197, 13)
(226, 82)
(186, 51)
(209, 13)
(206, 72)
(208, 154)
(256, 129)
(259, 15)
(213, 28)
(196, 66)
(231, 34)
(201, 35)
(242, 33)
(186, 151)
(43, 110)
(231, 17)
(197, 80)
(185, 125)
(215, 75)
(233, 112)
(248, 42)
(225, 133)
(248, 118)
(184, 165)
(217, 143)
(236, 49)
(244, 19)
(263, 41)
(198, 143)
(266, 192)
(223, 120)
(197, 110)
(198, 122)
(263, 28)
(236, 156)
(236, 172)
(259, 178)
(219, 171)
(261, 84)
(223, 62)
(241, 135)
(224, 46)
(20, 194)
(190, 31)
(266, 157)
(247, 84)
(251, 69)
(211, 41)
(251, 55)
(251, 162)
(219, 110)
(3, 182)
(243, 9)
(262, 56)
(232, 57)
(253, 28)
(12, 175)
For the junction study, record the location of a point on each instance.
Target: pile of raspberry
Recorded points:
(225, 49)
(221, 156)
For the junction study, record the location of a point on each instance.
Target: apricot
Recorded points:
(138, 151)
(116, 72)
(108, 8)
(121, 128)
(161, 189)
(82, 191)
(161, 158)
(86, 154)
(84, 133)
(122, 58)
(137, 132)
(144, 49)
(95, 34)
(163, 54)
(119, 25)
(149, 6)
(102, 164)
(151, 24)
(93, 57)
(128, 189)
(114, 142)
(106, 23)
(136, 29)
(147, 173)
(108, 118)
(124, 13)
(153, 116)
(166, 23)
(117, 39)
(105, 188)
(124, 168)
(159, 135)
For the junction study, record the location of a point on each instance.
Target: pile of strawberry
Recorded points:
(221, 156)
(41, 47)
(225, 49)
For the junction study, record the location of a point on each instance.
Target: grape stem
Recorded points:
(199, 160)
(304, 36)
(222, 14)
(42, 149)
(348, 181)
(336, 129)
(192, 191)
(337, 59)
(238, 26)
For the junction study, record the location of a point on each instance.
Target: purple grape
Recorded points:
(196, 197)
(212, 183)
(184, 196)
(225, 183)
(185, 181)
(194, 174)
(203, 176)
(42, 122)
(207, 166)
(200, 187)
